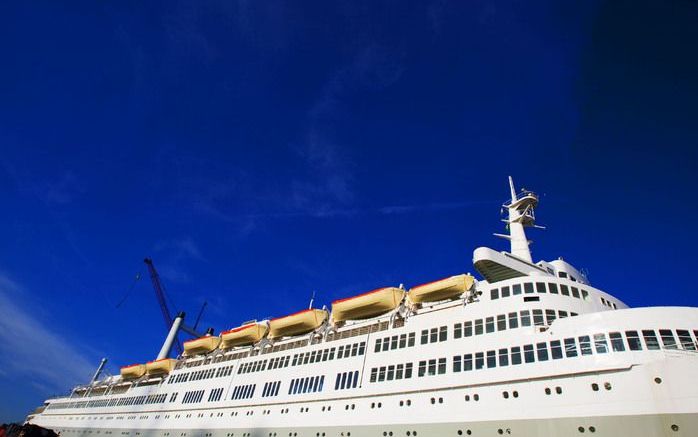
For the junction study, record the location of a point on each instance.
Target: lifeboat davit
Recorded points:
(133, 371)
(159, 367)
(244, 335)
(201, 345)
(443, 289)
(295, 324)
(367, 305)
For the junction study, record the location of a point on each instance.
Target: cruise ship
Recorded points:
(529, 349)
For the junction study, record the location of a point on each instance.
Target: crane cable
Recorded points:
(128, 292)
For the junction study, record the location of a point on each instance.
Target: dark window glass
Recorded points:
(381, 375)
(434, 335)
(585, 295)
(525, 318)
(513, 321)
(549, 317)
(617, 342)
(575, 292)
(457, 363)
(650, 339)
(529, 355)
(570, 348)
(403, 341)
(410, 339)
(422, 369)
(562, 314)
(467, 362)
(555, 349)
(408, 370)
(425, 336)
(516, 289)
(634, 343)
(538, 318)
(443, 333)
(374, 375)
(685, 339)
(399, 370)
(494, 293)
(501, 322)
(491, 359)
(442, 366)
(503, 357)
(585, 345)
(540, 287)
(564, 290)
(505, 291)
(467, 329)
(458, 330)
(668, 339)
(516, 355)
(489, 325)
(552, 287)
(393, 343)
(431, 371)
(391, 373)
(600, 343)
(528, 287)
(478, 327)
(542, 349)
(479, 360)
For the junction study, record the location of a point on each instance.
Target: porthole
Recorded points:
(500, 431)
(433, 401)
(505, 394)
(515, 394)
(476, 397)
(460, 432)
(469, 432)
(592, 429)
(409, 402)
(658, 380)
(595, 387)
(674, 427)
(441, 400)
(607, 385)
(467, 398)
(380, 404)
(401, 404)
(547, 390)
(581, 429)
(558, 390)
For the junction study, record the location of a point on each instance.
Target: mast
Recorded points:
(520, 215)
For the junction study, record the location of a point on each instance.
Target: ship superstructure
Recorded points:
(532, 350)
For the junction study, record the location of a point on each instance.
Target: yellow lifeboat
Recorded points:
(244, 335)
(133, 371)
(447, 288)
(201, 345)
(158, 367)
(367, 305)
(295, 324)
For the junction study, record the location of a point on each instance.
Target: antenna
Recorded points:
(312, 298)
(520, 215)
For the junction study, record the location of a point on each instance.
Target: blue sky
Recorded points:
(260, 151)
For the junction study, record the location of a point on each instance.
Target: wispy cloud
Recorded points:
(30, 349)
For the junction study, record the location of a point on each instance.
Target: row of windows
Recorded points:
(192, 397)
(243, 391)
(511, 320)
(309, 384)
(389, 373)
(201, 374)
(279, 362)
(431, 367)
(608, 303)
(434, 335)
(271, 389)
(252, 366)
(344, 351)
(215, 394)
(538, 287)
(395, 342)
(346, 380)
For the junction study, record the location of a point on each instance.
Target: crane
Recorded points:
(166, 314)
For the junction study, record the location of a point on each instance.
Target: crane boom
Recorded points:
(160, 294)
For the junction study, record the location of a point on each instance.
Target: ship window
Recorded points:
(570, 348)
(617, 342)
(552, 287)
(489, 325)
(540, 287)
(513, 321)
(443, 333)
(549, 316)
(456, 363)
(393, 342)
(434, 335)
(505, 291)
(516, 289)
(362, 348)
(650, 339)
(633, 340)
(374, 375)
(525, 318)
(491, 359)
(503, 357)
(515, 355)
(685, 339)
(410, 339)
(408, 370)
(555, 349)
(467, 362)
(585, 345)
(391, 373)
(332, 354)
(531, 299)
(343, 383)
(432, 368)
(336, 381)
(529, 355)
(562, 314)
(528, 287)
(494, 293)
(355, 347)
(501, 322)
(479, 360)
(668, 339)
(467, 329)
(442, 366)
(422, 370)
(399, 370)
(564, 290)
(458, 330)
(575, 292)
(478, 327)
(538, 318)
(585, 295)
(600, 343)
(403, 341)
(425, 336)
(542, 349)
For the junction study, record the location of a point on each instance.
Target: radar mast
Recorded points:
(520, 215)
